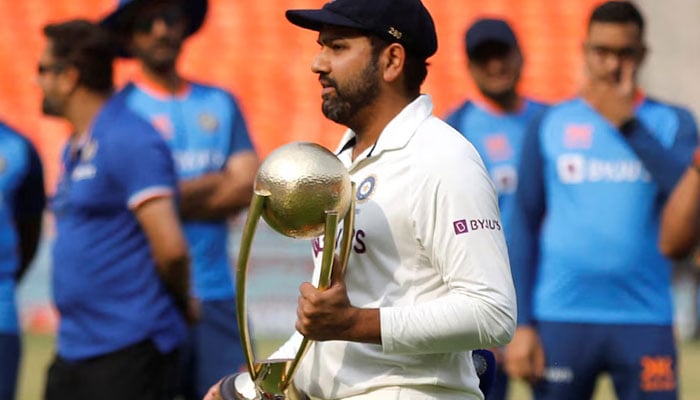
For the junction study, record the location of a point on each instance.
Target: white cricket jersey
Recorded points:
(429, 252)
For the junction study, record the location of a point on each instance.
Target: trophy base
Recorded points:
(270, 384)
(238, 387)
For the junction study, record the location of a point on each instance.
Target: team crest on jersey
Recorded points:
(208, 122)
(366, 188)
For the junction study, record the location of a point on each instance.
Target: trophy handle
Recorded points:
(254, 211)
(284, 370)
(348, 231)
(324, 280)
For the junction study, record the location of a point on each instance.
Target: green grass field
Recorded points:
(38, 351)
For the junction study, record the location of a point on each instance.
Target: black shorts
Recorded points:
(138, 372)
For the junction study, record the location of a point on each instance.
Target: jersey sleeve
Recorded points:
(665, 164)
(240, 139)
(31, 197)
(141, 162)
(288, 349)
(527, 212)
(457, 221)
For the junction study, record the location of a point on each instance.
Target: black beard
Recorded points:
(501, 98)
(50, 109)
(163, 65)
(344, 105)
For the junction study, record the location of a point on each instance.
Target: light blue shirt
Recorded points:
(498, 137)
(584, 231)
(203, 126)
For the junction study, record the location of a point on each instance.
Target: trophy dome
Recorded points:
(303, 180)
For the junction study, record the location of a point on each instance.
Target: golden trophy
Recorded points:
(301, 190)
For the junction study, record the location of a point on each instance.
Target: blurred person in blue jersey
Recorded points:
(120, 260)
(216, 166)
(678, 240)
(496, 122)
(594, 291)
(680, 222)
(22, 201)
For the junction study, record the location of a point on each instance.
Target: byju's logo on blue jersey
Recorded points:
(574, 168)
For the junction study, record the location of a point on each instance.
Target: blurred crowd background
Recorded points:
(249, 48)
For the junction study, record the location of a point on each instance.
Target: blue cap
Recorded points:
(406, 22)
(119, 19)
(489, 30)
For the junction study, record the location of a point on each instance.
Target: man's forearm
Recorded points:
(681, 216)
(29, 231)
(213, 196)
(175, 275)
(194, 193)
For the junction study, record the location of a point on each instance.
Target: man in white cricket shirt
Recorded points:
(428, 279)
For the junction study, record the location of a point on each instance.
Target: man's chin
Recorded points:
(497, 94)
(161, 66)
(334, 114)
(160, 60)
(50, 111)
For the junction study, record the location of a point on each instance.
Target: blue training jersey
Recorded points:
(203, 126)
(105, 282)
(498, 137)
(21, 195)
(585, 223)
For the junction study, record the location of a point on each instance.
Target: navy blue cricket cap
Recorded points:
(489, 30)
(121, 18)
(406, 22)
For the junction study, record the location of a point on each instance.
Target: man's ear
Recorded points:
(69, 79)
(643, 54)
(395, 58)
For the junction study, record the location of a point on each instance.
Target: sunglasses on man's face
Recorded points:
(171, 16)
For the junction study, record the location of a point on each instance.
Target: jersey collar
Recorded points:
(141, 81)
(397, 133)
(639, 97)
(492, 107)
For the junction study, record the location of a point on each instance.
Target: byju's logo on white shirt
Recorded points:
(465, 226)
